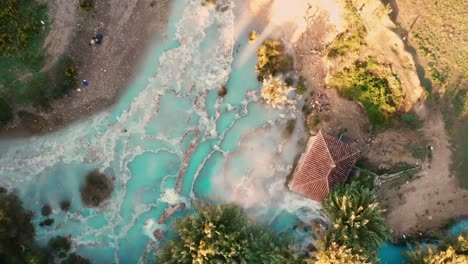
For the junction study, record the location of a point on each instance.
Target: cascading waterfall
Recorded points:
(168, 143)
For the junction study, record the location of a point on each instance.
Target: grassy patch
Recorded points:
(374, 85)
(411, 120)
(443, 51)
(20, 25)
(44, 86)
(301, 85)
(350, 40)
(273, 59)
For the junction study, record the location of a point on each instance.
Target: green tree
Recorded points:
(450, 250)
(273, 59)
(6, 113)
(336, 254)
(357, 220)
(223, 234)
(16, 231)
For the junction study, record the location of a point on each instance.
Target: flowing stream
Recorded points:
(169, 140)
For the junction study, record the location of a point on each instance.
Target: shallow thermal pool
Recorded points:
(170, 123)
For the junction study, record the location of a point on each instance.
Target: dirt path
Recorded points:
(431, 200)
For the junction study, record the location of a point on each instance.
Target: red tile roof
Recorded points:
(326, 163)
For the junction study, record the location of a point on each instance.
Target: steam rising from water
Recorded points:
(224, 148)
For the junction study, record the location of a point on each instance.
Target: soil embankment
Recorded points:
(432, 197)
(128, 27)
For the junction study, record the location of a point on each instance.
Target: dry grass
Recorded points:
(438, 31)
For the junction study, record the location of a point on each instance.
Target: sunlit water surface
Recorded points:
(169, 123)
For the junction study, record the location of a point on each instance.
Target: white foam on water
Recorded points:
(103, 144)
(171, 197)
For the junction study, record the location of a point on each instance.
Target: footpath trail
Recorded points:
(435, 197)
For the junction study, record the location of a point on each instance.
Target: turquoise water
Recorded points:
(227, 149)
(393, 254)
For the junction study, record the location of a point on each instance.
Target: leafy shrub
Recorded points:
(301, 85)
(6, 113)
(253, 36)
(16, 230)
(97, 188)
(411, 120)
(86, 5)
(223, 234)
(289, 129)
(222, 91)
(63, 77)
(352, 38)
(59, 243)
(43, 86)
(47, 222)
(374, 86)
(65, 205)
(273, 59)
(19, 25)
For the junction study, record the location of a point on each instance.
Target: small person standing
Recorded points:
(85, 83)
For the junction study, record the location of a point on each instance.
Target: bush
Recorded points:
(301, 85)
(411, 120)
(351, 39)
(273, 59)
(16, 230)
(97, 188)
(222, 91)
(6, 113)
(76, 259)
(86, 5)
(46, 210)
(223, 234)
(59, 243)
(374, 86)
(47, 222)
(253, 36)
(19, 25)
(45, 86)
(289, 129)
(65, 205)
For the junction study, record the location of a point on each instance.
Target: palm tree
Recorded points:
(357, 220)
(451, 249)
(336, 254)
(223, 234)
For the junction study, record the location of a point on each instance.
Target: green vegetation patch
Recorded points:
(20, 27)
(451, 249)
(23, 27)
(86, 5)
(352, 38)
(357, 221)
(301, 87)
(97, 188)
(223, 234)
(375, 86)
(6, 113)
(273, 59)
(45, 86)
(17, 236)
